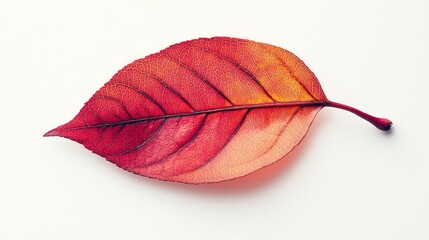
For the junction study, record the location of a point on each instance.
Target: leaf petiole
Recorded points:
(381, 123)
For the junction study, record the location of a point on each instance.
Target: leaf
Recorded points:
(205, 110)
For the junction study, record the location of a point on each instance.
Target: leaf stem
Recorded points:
(381, 123)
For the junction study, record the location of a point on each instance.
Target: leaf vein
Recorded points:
(239, 125)
(195, 73)
(145, 94)
(164, 159)
(144, 142)
(241, 68)
(289, 69)
(163, 83)
(118, 101)
(255, 106)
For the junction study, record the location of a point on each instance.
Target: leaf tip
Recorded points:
(51, 133)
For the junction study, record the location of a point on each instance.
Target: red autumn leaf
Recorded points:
(204, 110)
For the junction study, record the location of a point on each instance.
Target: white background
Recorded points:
(347, 180)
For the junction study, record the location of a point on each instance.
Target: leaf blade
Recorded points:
(176, 115)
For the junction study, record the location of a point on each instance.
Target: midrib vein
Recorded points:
(209, 111)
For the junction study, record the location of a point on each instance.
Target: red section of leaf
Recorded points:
(204, 110)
